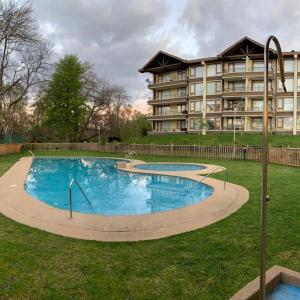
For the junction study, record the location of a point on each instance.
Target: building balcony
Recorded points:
(242, 72)
(259, 109)
(167, 131)
(178, 81)
(232, 112)
(257, 128)
(236, 127)
(245, 90)
(181, 98)
(174, 115)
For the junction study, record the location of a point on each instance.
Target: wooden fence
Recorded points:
(286, 156)
(9, 148)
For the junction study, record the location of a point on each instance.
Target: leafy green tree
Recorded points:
(65, 103)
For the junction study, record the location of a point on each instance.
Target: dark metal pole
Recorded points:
(265, 157)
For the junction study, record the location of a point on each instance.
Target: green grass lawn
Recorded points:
(209, 263)
(242, 139)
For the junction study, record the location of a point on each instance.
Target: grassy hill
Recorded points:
(242, 139)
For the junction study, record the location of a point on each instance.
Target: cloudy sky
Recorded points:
(119, 36)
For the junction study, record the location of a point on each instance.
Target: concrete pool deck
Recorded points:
(17, 205)
(274, 276)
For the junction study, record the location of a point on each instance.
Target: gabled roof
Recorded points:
(162, 60)
(245, 46)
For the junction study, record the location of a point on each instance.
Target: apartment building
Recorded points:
(223, 92)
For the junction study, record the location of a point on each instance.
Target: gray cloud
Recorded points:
(119, 36)
(115, 36)
(217, 24)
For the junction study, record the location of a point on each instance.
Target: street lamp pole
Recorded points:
(265, 156)
(234, 115)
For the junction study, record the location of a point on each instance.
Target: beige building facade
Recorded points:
(223, 93)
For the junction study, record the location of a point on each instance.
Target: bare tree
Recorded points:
(23, 56)
(99, 94)
(117, 109)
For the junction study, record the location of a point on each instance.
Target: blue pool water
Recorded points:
(285, 291)
(170, 167)
(112, 192)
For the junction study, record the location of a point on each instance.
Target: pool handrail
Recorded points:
(31, 153)
(129, 155)
(213, 171)
(73, 180)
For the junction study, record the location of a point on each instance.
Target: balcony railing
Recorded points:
(169, 130)
(168, 113)
(172, 78)
(259, 109)
(235, 89)
(236, 127)
(235, 70)
(231, 109)
(249, 88)
(244, 70)
(172, 96)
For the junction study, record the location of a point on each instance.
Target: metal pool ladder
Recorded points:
(31, 153)
(207, 175)
(70, 195)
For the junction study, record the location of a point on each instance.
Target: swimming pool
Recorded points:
(170, 167)
(285, 291)
(111, 191)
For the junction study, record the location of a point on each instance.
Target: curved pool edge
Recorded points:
(16, 204)
(131, 167)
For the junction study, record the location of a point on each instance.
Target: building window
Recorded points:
(213, 87)
(213, 105)
(163, 110)
(298, 84)
(181, 75)
(236, 86)
(288, 65)
(195, 123)
(195, 106)
(258, 66)
(165, 94)
(181, 92)
(298, 104)
(285, 104)
(181, 108)
(285, 123)
(298, 123)
(289, 84)
(165, 125)
(213, 69)
(180, 124)
(196, 89)
(164, 77)
(257, 85)
(258, 105)
(197, 72)
(234, 123)
(237, 67)
(256, 123)
(230, 105)
(213, 123)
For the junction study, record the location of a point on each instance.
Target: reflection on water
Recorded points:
(111, 192)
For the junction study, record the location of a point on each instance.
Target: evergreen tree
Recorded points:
(65, 105)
